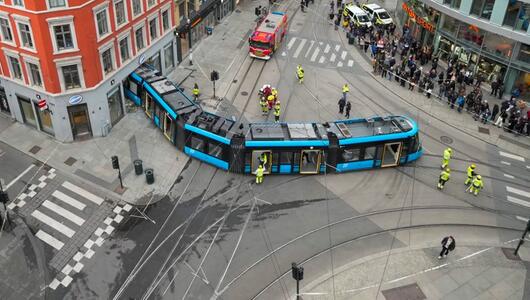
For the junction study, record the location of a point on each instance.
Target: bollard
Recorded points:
(138, 167)
(149, 176)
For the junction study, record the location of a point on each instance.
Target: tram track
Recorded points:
(371, 214)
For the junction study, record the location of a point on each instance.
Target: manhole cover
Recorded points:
(244, 93)
(70, 161)
(484, 130)
(35, 149)
(446, 139)
(410, 292)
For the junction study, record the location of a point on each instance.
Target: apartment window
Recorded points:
(482, 8)
(25, 35)
(517, 15)
(63, 37)
(453, 3)
(119, 11)
(7, 35)
(34, 74)
(106, 61)
(71, 77)
(124, 49)
(182, 11)
(18, 3)
(165, 20)
(524, 53)
(137, 7)
(150, 3)
(102, 21)
(16, 70)
(169, 59)
(139, 38)
(153, 28)
(56, 3)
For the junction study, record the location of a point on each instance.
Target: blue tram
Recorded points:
(286, 148)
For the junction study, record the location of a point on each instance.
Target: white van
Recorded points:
(377, 14)
(356, 15)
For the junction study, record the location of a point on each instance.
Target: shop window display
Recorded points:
(517, 15)
(471, 34)
(498, 45)
(524, 53)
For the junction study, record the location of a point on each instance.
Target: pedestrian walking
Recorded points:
(470, 174)
(345, 89)
(476, 185)
(494, 112)
(348, 108)
(446, 157)
(444, 177)
(342, 103)
(259, 174)
(448, 244)
(196, 91)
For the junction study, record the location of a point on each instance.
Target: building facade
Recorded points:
(75, 54)
(491, 37)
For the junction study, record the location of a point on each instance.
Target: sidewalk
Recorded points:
(134, 137)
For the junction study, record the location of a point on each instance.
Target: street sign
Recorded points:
(42, 104)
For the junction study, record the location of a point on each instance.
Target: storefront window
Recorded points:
(169, 60)
(498, 45)
(27, 111)
(115, 107)
(450, 25)
(482, 8)
(4, 105)
(522, 82)
(45, 120)
(490, 69)
(524, 53)
(471, 34)
(517, 15)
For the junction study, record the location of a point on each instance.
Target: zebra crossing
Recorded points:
(518, 196)
(326, 54)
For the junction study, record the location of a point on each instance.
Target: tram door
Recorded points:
(310, 161)
(391, 153)
(258, 157)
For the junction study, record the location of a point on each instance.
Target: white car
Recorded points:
(377, 14)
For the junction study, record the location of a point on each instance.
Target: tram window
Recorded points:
(275, 159)
(369, 152)
(405, 147)
(215, 149)
(248, 158)
(285, 158)
(197, 143)
(133, 87)
(414, 144)
(297, 158)
(351, 154)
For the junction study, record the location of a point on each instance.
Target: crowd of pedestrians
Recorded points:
(398, 57)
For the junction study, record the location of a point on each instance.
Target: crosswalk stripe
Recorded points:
(299, 49)
(82, 192)
(63, 212)
(518, 201)
(508, 176)
(505, 163)
(68, 200)
(343, 55)
(332, 58)
(309, 49)
(326, 50)
(53, 223)
(315, 54)
(518, 191)
(512, 156)
(350, 63)
(50, 240)
(322, 60)
(521, 219)
(291, 43)
(337, 47)
(339, 64)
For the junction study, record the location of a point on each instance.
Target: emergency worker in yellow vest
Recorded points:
(277, 111)
(444, 177)
(263, 104)
(470, 174)
(446, 157)
(259, 174)
(196, 91)
(476, 185)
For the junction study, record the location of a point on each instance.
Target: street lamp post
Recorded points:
(298, 274)
(521, 241)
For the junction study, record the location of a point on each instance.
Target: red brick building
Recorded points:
(75, 54)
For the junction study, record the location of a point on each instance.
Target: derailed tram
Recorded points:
(288, 148)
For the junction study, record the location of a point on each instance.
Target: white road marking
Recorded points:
(339, 64)
(63, 212)
(509, 176)
(326, 50)
(299, 49)
(333, 56)
(68, 200)
(82, 192)
(518, 191)
(505, 163)
(50, 240)
(53, 223)
(512, 156)
(528, 167)
(315, 54)
(350, 63)
(521, 219)
(291, 43)
(321, 60)
(309, 49)
(337, 47)
(343, 55)
(283, 53)
(518, 201)
(18, 177)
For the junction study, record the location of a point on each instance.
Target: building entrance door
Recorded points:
(4, 105)
(80, 122)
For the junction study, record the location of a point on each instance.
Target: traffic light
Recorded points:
(4, 198)
(257, 11)
(214, 75)
(297, 272)
(115, 162)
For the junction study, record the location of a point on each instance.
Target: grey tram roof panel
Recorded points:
(302, 131)
(163, 86)
(267, 131)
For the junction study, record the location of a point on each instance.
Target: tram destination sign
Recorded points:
(415, 18)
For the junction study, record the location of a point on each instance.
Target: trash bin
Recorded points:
(351, 39)
(138, 167)
(149, 176)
